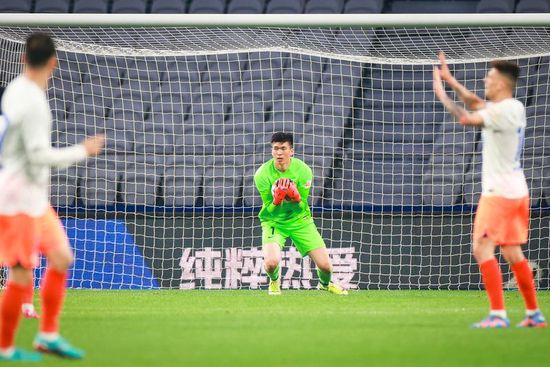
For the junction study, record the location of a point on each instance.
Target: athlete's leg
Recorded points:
(272, 259)
(324, 267)
(524, 275)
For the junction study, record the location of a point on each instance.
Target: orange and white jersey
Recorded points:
(503, 138)
(26, 154)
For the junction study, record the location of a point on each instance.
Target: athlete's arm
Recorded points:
(471, 100)
(36, 137)
(463, 116)
(264, 188)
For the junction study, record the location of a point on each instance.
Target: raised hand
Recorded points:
(444, 71)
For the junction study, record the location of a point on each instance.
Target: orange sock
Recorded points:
(526, 283)
(52, 294)
(10, 312)
(492, 278)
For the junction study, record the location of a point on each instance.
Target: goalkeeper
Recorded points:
(283, 183)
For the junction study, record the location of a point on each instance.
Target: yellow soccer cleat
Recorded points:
(334, 289)
(274, 287)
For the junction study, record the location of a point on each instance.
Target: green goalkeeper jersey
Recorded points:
(287, 211)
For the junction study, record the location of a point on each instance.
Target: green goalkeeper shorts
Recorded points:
(303, 233)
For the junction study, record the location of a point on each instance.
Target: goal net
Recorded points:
(188, 113)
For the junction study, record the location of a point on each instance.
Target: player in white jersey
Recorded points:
(502, 217)
(28, 224)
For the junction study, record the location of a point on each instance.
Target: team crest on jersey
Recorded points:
(308, 184)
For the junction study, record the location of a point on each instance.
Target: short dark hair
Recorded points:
(39, 49)
(282, 137)
(507, 68)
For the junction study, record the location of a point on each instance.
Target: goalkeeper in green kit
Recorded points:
(284, 183)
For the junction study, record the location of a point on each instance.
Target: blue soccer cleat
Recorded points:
(536, 320)
(21, 355)
(59, 347)
(492, 322)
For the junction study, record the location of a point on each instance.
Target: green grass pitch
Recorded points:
(299, 328)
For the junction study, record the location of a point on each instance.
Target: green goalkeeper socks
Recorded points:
(274, 275)
(324, 277)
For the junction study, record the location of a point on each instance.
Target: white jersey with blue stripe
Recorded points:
(503, 138)
(26, 154)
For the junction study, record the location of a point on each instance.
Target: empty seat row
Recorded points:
(276, 6)
(194, 6)
(171, 181)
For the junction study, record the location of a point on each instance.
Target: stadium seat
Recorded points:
(285, 7)
(141, 178)
(100, 180)
(184, 70)
(533, 6)
(246, 7)
(430, 6)
(251, 197)
(378, 183)
(223, 177)
(324, 7)
(207, 7)
(364, 7)
(15, 6)
(52, 6)
(64, 187)
(491, 6)
(86, 6)
(183, 177)
(443, 180)
(168, 6)
(129, 6)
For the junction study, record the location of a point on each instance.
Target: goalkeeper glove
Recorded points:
(293, 193)
(279, 190)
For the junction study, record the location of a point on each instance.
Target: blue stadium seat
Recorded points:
(400, 78)
(324, 6)
(185, 70)
(364, 7)
(141, 179)
(533, 6)
(63, 187)
(183, 177)
(119, 133)
(100, 180)
(359, 39)
(152, 142)
(321, 167)
(141, 70)
(207, 7)
(86, 6)
(430, 6)
(285, 7)
(367, 183)
(246, 6)
(491, 6)
(341, 70)
(197, 137)
(15, 6)
(223, 177)
(443, 179)
(89, 106)
(129, 6)
(168, 6)
(321, 140)
(52, 6)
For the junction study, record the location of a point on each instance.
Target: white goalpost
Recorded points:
(189, 102)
